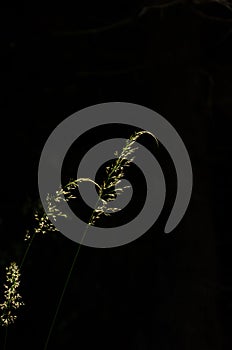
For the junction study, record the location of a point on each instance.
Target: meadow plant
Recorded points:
(106, 194)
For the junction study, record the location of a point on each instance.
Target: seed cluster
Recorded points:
(12, 299)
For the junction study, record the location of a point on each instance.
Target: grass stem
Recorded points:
(68, 278)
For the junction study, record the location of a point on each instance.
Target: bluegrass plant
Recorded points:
(106, 194)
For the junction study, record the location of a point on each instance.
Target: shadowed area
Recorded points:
(163, 292)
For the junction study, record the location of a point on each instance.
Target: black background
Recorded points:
(161, 291)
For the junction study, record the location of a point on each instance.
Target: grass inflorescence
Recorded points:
(107, 192)
(12, 298)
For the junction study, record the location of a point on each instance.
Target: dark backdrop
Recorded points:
(160, 292)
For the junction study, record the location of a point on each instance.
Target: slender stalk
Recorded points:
(61, 297)
(27, 250)
(68, 278)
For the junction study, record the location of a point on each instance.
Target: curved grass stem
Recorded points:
(68, 278)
